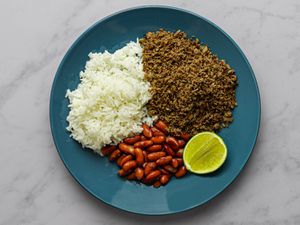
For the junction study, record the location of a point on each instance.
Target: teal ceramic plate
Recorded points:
(96, 174)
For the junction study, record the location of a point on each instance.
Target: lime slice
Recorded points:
(204, 153)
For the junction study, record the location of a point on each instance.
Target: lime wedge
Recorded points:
(204, 153)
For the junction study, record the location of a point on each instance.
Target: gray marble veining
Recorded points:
(35, 188)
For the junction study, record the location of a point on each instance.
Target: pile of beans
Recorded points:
(152, 157)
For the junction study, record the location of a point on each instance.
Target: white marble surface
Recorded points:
(35, 187)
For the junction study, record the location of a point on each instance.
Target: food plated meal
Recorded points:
(99, 176)
(142, 103)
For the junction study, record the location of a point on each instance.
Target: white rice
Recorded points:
(109, 103)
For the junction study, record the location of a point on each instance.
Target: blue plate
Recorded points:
(96, 174)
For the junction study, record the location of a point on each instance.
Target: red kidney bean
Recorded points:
(181, 172)
(180, 161)
(115, 155)
(147, 131)
(150, 166)
(170, 169)
(129, 165)
(143, 144)
(163, 171)
(145, 156)
(139, 157)
(157, 132)
(179, 153)
(174, 163)
(155, 156)
(169, 150)
(131, 176)
(139, 173)
(107, 150)
(162, 126)
(132, 140)
(157, 184)
(143, 138)
(158, 139)
(128, 149)
(154, 148)
(185, 136)
(125, 159)
(164, 160)
(164, 179)
(181, 143)
(153, 175)
(172, 142)
(120, 159)
(122, 173)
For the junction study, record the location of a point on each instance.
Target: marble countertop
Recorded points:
(35, 187)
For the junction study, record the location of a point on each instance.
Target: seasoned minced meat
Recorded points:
(192, 90)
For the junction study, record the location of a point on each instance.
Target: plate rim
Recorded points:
(74, 44)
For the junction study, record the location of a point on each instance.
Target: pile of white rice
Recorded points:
(109, 103)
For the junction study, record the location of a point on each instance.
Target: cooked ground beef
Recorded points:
(192, 90)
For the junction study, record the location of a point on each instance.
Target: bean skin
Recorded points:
(172, 142)
(120, 159)
(143, 138)
(150, 166)
(107, 150)
(139, 157)
(158, 139)
(125, 159)
(163, 171)
(115, 155)
(145, 156)
(156, 132)
(143, 144)
(152, 176)
(154, 148)
(128, 149)
(179, 153)
(147, 131)
(155, 156)
(169, 150)
(129, 165)
(164, 160)
(181, 143)
(131, 176)
(132, 140)
(185, 136)
(162, 126)
(181, 172)
(157, 184)
(170, 169)
(174, 163)
(164, 179)
(122, 173)
(139, 173)
(180, 161)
